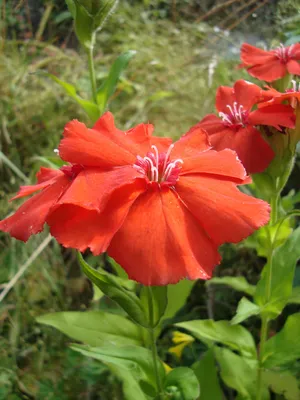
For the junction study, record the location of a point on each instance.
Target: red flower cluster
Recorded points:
(271, 65)
(236, 126)
(161, 209)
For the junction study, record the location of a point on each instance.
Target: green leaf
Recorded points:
(108, 87)
(84, 25)
(95, 328)
(245, 310)
(160, 302)
(110, 286)
(295, 296)
(132, 359)
(89, 17)
(177, 296)
(234, 336)
(284, 262)
(90, 108)
(104, 9)
(207, 375)
(238, 283)
(284, 347)
(282, 383)
(238, 374)
(185, 381)
(131, 388)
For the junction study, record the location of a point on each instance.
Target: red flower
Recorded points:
(160, 209)
(271, 65)
(236, 127)
(292, 95)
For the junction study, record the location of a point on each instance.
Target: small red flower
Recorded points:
(292, 95)
(235, 128)
(160, 209)
(273, 64)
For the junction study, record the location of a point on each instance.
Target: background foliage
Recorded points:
(185, 50)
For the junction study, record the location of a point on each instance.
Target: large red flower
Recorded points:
(235, 128)
(273, 64)
(160, 209)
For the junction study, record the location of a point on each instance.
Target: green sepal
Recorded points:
(112, 288)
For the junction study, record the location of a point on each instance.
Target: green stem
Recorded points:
(153, 340)
(263, 339)
(274, 209)
(90, 51)
(265, 320)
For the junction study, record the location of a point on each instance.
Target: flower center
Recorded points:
(236, 117)
(284, 53)
(158, 167)
(71, 171)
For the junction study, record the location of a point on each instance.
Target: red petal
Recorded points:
(269, 72)
(251, 55)
(136, 140)
(29, 219)
(45, 177)
(225, 96)
(89, 147)
(45, 174)
(160, 242)
(254, 152)
(211, 124)
(247, 94)
(92, 188)
(224, 212)
(274, 115)
(222, 163)
(79, 228)
(194, 142)
(293, 67)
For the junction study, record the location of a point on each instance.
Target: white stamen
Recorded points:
(154, 172)
(156, 155)
(170, 168)
(168, 155)
(56, 151)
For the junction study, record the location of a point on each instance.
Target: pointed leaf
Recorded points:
(238, 283)
(108, 87)
(134, 359)
(245, 310)
(283, 268)
(111, 287)
(234, 336)
(184, 382)
(207, 375)
(95, 328)
(282, 383)
(177, 296)
(284, 347)
(90, 108)
(160, 302)
(238, 374)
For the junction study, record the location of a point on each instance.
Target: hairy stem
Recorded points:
(90, 53)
